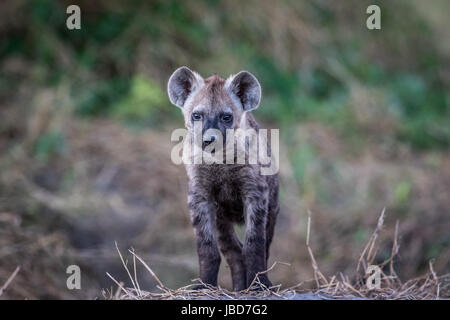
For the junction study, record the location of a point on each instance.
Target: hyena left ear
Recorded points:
(247, 88)
(182, 83)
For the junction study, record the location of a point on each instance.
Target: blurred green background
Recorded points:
(85, 127)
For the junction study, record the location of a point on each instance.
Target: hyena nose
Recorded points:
(208, 140)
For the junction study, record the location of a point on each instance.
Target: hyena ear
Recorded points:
(181, 84)
(247, 88)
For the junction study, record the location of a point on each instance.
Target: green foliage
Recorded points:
(360, 235)
(144, 99)
(100, 60)
(303, 157)
(423, 110)
(402, 192)
(49, 144)
(99, 98)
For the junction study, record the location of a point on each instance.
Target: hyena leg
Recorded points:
(255, 241)
(203, 217)
(270, 227)
(231, 248)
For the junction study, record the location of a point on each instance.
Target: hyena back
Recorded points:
(221, 195)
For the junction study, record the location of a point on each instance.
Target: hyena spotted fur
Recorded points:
(223, 194)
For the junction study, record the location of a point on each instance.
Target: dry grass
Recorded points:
(428, 286)
(9, 280)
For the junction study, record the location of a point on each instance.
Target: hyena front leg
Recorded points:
(255, 239)
(231, 248)
(203, 218)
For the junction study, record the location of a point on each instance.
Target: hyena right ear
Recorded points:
(182, 83)
(247, 88)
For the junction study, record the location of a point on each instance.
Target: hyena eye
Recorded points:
(227, 118)
(196, 116)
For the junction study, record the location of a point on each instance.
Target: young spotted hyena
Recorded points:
(223, 194)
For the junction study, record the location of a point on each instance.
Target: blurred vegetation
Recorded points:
(99, 62)
(365, 113)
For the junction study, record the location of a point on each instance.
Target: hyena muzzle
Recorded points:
(221, 195)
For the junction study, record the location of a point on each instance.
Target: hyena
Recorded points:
(220, 195)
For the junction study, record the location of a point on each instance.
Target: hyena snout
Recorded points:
(209, 139)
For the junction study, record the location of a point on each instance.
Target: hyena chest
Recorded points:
(228, 200)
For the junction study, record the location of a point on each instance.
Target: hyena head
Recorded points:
(217, 103)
